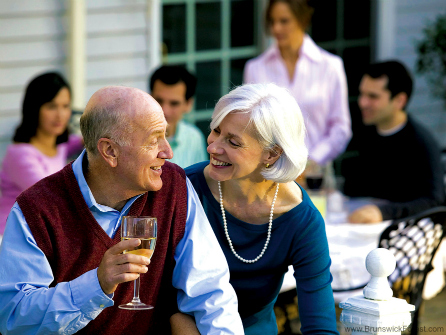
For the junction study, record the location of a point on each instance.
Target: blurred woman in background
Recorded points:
(42, 143)
(315, 77)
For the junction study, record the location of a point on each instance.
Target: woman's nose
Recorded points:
(214, 147)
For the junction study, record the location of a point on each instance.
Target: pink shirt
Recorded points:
(320, 87)
(24, 165)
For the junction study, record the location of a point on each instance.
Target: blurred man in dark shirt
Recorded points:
(398, 159)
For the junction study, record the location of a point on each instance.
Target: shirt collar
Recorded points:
(309, 49)
(85, 189)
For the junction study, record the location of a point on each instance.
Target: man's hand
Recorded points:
(117, 268)
(366, 214)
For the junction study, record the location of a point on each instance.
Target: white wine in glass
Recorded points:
(145, 229)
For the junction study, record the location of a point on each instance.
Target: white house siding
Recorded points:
(33, 39)
(117, 50)
(411, 17)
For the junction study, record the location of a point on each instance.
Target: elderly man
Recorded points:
(398, 159)
(62, 269)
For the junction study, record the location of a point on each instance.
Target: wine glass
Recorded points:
(145, 229)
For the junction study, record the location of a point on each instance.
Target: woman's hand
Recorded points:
(183, 324)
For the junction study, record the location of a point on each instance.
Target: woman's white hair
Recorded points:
(277, 122)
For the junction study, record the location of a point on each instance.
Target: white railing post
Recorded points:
(376, 311)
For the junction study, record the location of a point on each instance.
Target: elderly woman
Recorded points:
(264, 220)
(315, 77)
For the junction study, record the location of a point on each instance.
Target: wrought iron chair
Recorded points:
(414, 242)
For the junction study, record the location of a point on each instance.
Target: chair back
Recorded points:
(414, 242)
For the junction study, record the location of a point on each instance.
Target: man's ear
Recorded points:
(400, 100)
(273, 155)
(189, 105)
(109, 151)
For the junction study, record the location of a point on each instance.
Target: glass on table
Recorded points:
(337, 210)
(314, 180)
(145, 229)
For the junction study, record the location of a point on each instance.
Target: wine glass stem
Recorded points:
(136, 291)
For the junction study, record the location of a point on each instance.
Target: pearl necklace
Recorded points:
(269, 227)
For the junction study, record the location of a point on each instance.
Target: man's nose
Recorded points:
(362, 102)
(166, 151)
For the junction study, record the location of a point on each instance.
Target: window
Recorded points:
(213, 39)
(343, 27)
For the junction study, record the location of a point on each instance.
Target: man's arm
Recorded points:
(29, 306)
(428, 183)
(201, 275)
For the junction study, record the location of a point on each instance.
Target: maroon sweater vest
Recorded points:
(74, 243)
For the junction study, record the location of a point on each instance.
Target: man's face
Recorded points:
(140, 163)
(172, 99)
(374, 101)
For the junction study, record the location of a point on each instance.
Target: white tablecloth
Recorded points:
(349, 246)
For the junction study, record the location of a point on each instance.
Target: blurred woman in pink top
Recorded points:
(42, 144)
(315, 77)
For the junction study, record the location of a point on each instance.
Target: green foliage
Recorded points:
(431, 60)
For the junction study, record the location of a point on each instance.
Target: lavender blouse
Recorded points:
(319, 87)
(24, 165)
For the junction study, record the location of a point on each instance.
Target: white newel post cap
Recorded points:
(380, 263)
(377, 312)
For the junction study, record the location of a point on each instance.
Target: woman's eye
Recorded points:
(234, 144)
(217, 130)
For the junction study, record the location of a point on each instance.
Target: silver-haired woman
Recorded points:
(264, 220)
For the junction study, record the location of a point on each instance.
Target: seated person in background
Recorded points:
(67, 227)
(174, 87)
(398, 159)
(42, 144)
(256, 145)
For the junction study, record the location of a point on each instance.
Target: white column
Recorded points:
(377, 312)
(77, 54)
(154, 22)
(385, 29)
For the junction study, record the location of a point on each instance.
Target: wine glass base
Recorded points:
(131, 306)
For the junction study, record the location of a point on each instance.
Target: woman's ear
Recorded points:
(273, 155)
(109, 151)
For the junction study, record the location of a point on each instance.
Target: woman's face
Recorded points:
(234, 152)
(284, 26)
(55, 114)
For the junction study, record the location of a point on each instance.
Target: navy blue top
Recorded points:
(298, 238)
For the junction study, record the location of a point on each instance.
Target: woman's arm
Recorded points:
(183, 324)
